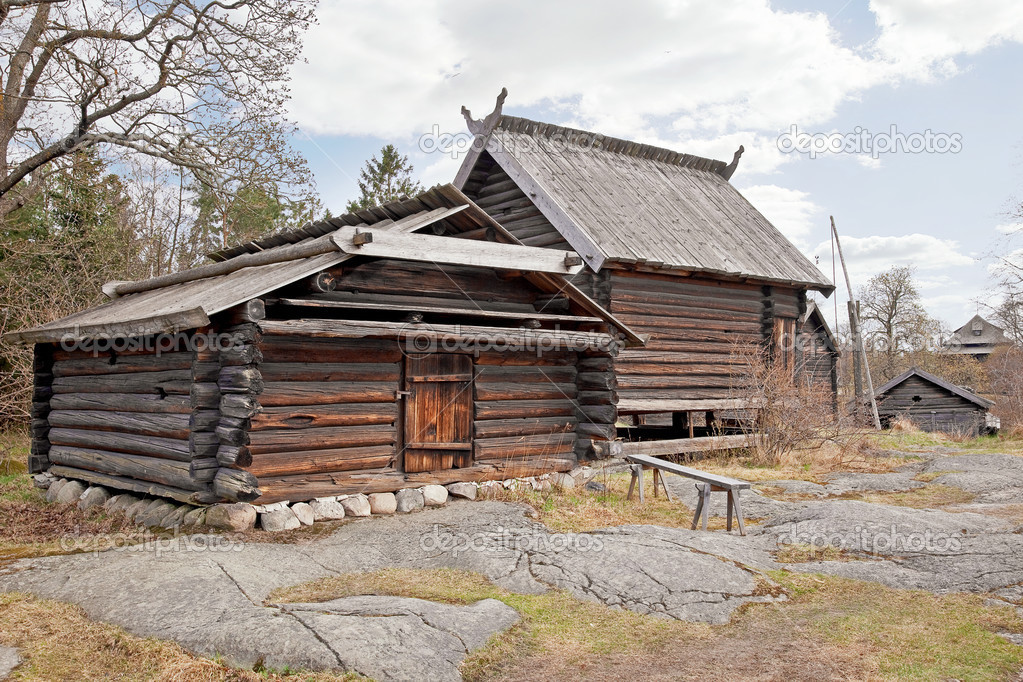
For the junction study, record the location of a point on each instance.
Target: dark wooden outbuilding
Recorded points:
(977, 338)
(673, 250)
(934, 404)
(408, 344)
(818, 352)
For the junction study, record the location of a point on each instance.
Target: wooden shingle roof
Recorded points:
(927, 376)
(171, 308)
(620, 201)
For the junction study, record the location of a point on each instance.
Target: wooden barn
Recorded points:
(818, 352)
(408, 344)
(978, 338)
(673, 250)
(934, 404)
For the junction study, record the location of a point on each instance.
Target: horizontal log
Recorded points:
(163, 425)
(524, 446)
(204, 420)
(309, 486)
(122, 402)
(628, 381)
(203, 444)
(525, 391)
(315, 416)
(151, 446)
(152, 469)
(289, 440)
(205, 395)
(315, 461)
(599, 414)
(234, 456)
(596, 381)
(123, 364)
(203, 470)
(232, 435)
(497, 428)
(594, 431)
(239, 405)
(549, 359)
(330, 371)
(205, 371)
(290, 348)
(236, 485)
(597, 397)
(173, 382)
(240, 379)
(250, 311)
(133, 485)
(680, 446)
(527, 374)
(277, 393)
(521, 409)
(666, 394)
(244, 354)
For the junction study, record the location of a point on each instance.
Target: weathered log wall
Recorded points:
(694, 327)
(117, 417)
(497, 194)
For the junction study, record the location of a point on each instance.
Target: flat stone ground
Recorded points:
(211, 598)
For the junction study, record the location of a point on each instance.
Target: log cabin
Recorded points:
(672, 249)
(817, 353)
(413, 343)
(933, 404)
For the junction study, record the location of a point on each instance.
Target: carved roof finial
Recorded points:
(487, 124)
(730, 168)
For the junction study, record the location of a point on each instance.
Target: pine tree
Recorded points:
(385, 179)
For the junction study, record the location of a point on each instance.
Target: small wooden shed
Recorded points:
(934, 404)
(818, 352)
(673, 250)
(407, 344)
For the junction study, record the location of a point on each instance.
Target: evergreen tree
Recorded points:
(385, 179)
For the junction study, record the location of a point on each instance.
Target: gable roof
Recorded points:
(813, 310)
(964, 341)
(625, 202)
(164, 307)
(927, 376)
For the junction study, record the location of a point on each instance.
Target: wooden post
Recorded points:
(857, 369)
(856, 317)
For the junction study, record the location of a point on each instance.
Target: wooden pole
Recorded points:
(859, 338)
(857, 369)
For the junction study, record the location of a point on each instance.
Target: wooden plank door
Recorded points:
(785, 344)
(438, 412)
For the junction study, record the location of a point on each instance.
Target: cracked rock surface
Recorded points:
(212, 598)
(9, 660)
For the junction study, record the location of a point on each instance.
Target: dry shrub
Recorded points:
(1005, 373)
(904, 425)
(795, 413)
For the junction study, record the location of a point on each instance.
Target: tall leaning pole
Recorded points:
(855, 316)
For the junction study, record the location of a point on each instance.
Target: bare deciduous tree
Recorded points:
(197, 83)
(894, 319)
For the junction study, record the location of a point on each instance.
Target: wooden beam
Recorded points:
(636, 406)
(438, 310)
(434, 249)
(678, 446)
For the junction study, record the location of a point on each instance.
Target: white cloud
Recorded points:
(1008, 228)
(680, 71)
(790, 210)
(920, 38)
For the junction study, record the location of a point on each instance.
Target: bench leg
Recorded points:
(699, 506)
(656, 472)
(728, 527)
(632, 483)
(706, 505)
(738, 513)
(667, 493)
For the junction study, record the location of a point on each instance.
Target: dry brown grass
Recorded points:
(830, 628)
(801, 553)
(57, 641)
(935, 496)
(579, 510)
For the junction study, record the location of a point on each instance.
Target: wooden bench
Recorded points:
(710, 483)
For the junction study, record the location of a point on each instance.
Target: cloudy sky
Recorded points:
(899, 117)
